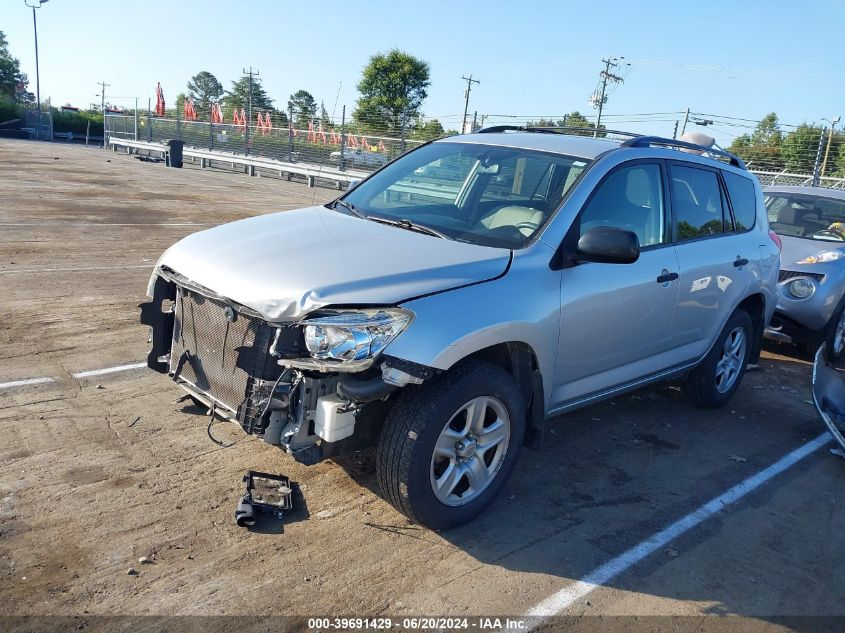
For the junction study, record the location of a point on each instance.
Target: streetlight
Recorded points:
(36, 4)
(829, 139)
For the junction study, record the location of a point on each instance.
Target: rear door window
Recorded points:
(698, 208)
(743, 200)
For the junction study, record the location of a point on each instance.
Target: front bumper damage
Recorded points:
(259, 374)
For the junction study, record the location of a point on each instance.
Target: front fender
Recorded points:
(523, 306)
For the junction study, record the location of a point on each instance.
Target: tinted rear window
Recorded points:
(743, 200)
(696, 203)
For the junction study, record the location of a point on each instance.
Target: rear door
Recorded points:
(715, 260)
(615, 317)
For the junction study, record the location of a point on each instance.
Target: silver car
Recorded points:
(444, 314)
(811, 290)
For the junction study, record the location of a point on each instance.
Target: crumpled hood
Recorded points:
(284, 265)
(797, 248)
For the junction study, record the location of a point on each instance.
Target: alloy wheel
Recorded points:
(470, 451)
(730, 364)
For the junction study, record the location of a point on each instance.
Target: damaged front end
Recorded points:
(316, 387)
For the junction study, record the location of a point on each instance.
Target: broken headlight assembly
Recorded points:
(353, 337)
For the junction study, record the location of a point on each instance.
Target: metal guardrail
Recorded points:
(250, 163)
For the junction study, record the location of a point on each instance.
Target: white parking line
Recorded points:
(62, 270)
(25, 381)
(82, 374)
(108, 370)
(566, 597)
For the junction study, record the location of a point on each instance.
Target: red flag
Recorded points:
(159, 100)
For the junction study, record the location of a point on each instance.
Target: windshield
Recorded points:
(481, 194)
(810, 217)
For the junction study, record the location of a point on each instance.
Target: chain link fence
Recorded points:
(323, 143)
(778, 154)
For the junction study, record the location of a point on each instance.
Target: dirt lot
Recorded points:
(97, 472)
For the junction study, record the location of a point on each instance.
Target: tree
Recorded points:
(572, 120)
(204, 89)
(304, 107)
(799, 148)
(427, 130)
(10, 71)
(324, 116)
(393, 88)
(761, 148)
(238, 96)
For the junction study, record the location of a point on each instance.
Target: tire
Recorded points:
(834, 337)
(713, 382)
(437, 415)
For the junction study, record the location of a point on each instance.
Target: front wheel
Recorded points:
(449, 445)
(717, 377)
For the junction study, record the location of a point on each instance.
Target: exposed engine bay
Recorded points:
(280, 381)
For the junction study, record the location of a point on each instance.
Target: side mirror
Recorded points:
(608, 245)
(353, 182)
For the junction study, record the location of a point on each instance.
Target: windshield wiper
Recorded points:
(352, 209)
(403, 223)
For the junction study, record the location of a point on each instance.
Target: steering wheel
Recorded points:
(531, 226)
(839, 235)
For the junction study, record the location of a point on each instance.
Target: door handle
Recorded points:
(740, 261)
(665, 278)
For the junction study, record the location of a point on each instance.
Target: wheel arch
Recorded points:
(520, 361)
(755, 306)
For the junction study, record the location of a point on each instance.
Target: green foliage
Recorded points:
(77, 122)
(10, 71)
(204, 89)
(572, 120)
(798, 150)
(427, 130)
(393, 87)
(9, 110)
(304, 107)
(763, 145)
(238, 97)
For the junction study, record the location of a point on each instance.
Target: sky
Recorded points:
(533, 58)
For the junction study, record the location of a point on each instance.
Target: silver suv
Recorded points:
(450, 304)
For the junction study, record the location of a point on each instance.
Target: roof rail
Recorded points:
(648, 141)
(579, 131)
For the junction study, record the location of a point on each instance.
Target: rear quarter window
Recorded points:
(743, 200)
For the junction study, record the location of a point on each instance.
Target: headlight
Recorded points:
(823, 257)
(801, 288)
(355, 334)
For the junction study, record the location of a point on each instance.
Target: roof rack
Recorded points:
(493, 129)
(648, 141)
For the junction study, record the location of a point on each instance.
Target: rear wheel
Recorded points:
(717, 377)
(449, 446)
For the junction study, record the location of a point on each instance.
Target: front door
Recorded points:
(615, 317)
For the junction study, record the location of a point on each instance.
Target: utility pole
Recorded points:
(686, 120)
(103, 85)
(818, 159)
(37, 4)
(829, 139)
(606, 77)
(251, 73)
(469, 81)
